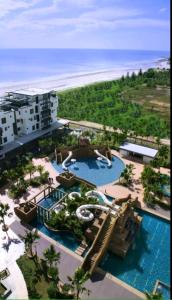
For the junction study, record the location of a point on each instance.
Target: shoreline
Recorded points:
(74, 80)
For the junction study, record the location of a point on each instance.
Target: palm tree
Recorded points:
(30, 239)
(77, 282)
(40, 169)
(4, 208)
(52, 257)
(30, 168)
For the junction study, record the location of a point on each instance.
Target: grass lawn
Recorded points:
(33, 277)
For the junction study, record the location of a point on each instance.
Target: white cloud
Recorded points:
(7, 6)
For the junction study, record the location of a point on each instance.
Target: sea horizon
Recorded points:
(31, 64)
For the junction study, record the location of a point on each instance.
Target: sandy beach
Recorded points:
(73, 80)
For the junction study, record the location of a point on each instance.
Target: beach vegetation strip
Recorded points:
(138, 103)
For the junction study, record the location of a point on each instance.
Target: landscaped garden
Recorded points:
(115, 103)
(42, 274)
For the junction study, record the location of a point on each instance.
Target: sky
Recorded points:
(94, 24)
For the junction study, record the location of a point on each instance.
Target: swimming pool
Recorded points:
(148, 260)
(52, 198)
(95, 171)
(67, 239)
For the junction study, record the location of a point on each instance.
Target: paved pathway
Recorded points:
(101, 287)
(98, 126)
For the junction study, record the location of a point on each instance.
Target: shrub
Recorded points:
(52, 291)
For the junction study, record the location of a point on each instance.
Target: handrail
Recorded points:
(104, 157)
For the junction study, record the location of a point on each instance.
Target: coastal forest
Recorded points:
(138, 103)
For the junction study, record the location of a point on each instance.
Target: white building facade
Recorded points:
(25, 111)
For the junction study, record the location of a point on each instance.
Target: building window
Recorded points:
(31, 111)
(18, 120)
(6, 128)
(33, 127)
(36, 109)
(3, 120)
(5, 139)
(51, 104)
(37, 100)
(37, 126)
(18, 128)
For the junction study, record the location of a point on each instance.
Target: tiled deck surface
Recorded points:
(101, 287)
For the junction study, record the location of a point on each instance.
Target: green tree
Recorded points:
(30, 168)
(4, 208)
(51, 256)
(77, 282)
(127, 174)
(30, 239)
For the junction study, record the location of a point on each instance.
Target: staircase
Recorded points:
(100, 243)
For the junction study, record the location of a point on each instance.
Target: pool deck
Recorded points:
(102, 286)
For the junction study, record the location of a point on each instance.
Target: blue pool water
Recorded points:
(96, 172)
(47, 202)
(67, 239)
(148, 260)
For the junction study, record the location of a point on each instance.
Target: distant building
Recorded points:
(26, 113)
(145, 154)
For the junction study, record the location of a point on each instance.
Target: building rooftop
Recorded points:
(150, 152)
(31, 91)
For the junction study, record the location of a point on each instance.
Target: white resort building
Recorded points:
(26, 115)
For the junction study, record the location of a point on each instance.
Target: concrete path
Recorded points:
(98, 126)
(100, 285)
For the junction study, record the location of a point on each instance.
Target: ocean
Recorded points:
(31, 64)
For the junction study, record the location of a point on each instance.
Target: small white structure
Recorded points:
(142, 152)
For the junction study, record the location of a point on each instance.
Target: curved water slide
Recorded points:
(72, 195)
(66, 160)
(109, 163)
(96, 194)
(83, 212)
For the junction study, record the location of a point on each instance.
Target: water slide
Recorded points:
(109, 163)
(96, 194)
(66, 160)
(72, 195)
(83, 212)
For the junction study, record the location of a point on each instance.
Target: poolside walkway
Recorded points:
(100, 285)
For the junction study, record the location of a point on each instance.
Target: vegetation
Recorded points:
(43, 281)
(52, 258)
(162, 159)
(127, 174)
(30, 239)
(77, 283)
(4, 208)
(153, 296)
(152, 182)
(16, 178)
(107, 103)
(69, 221)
